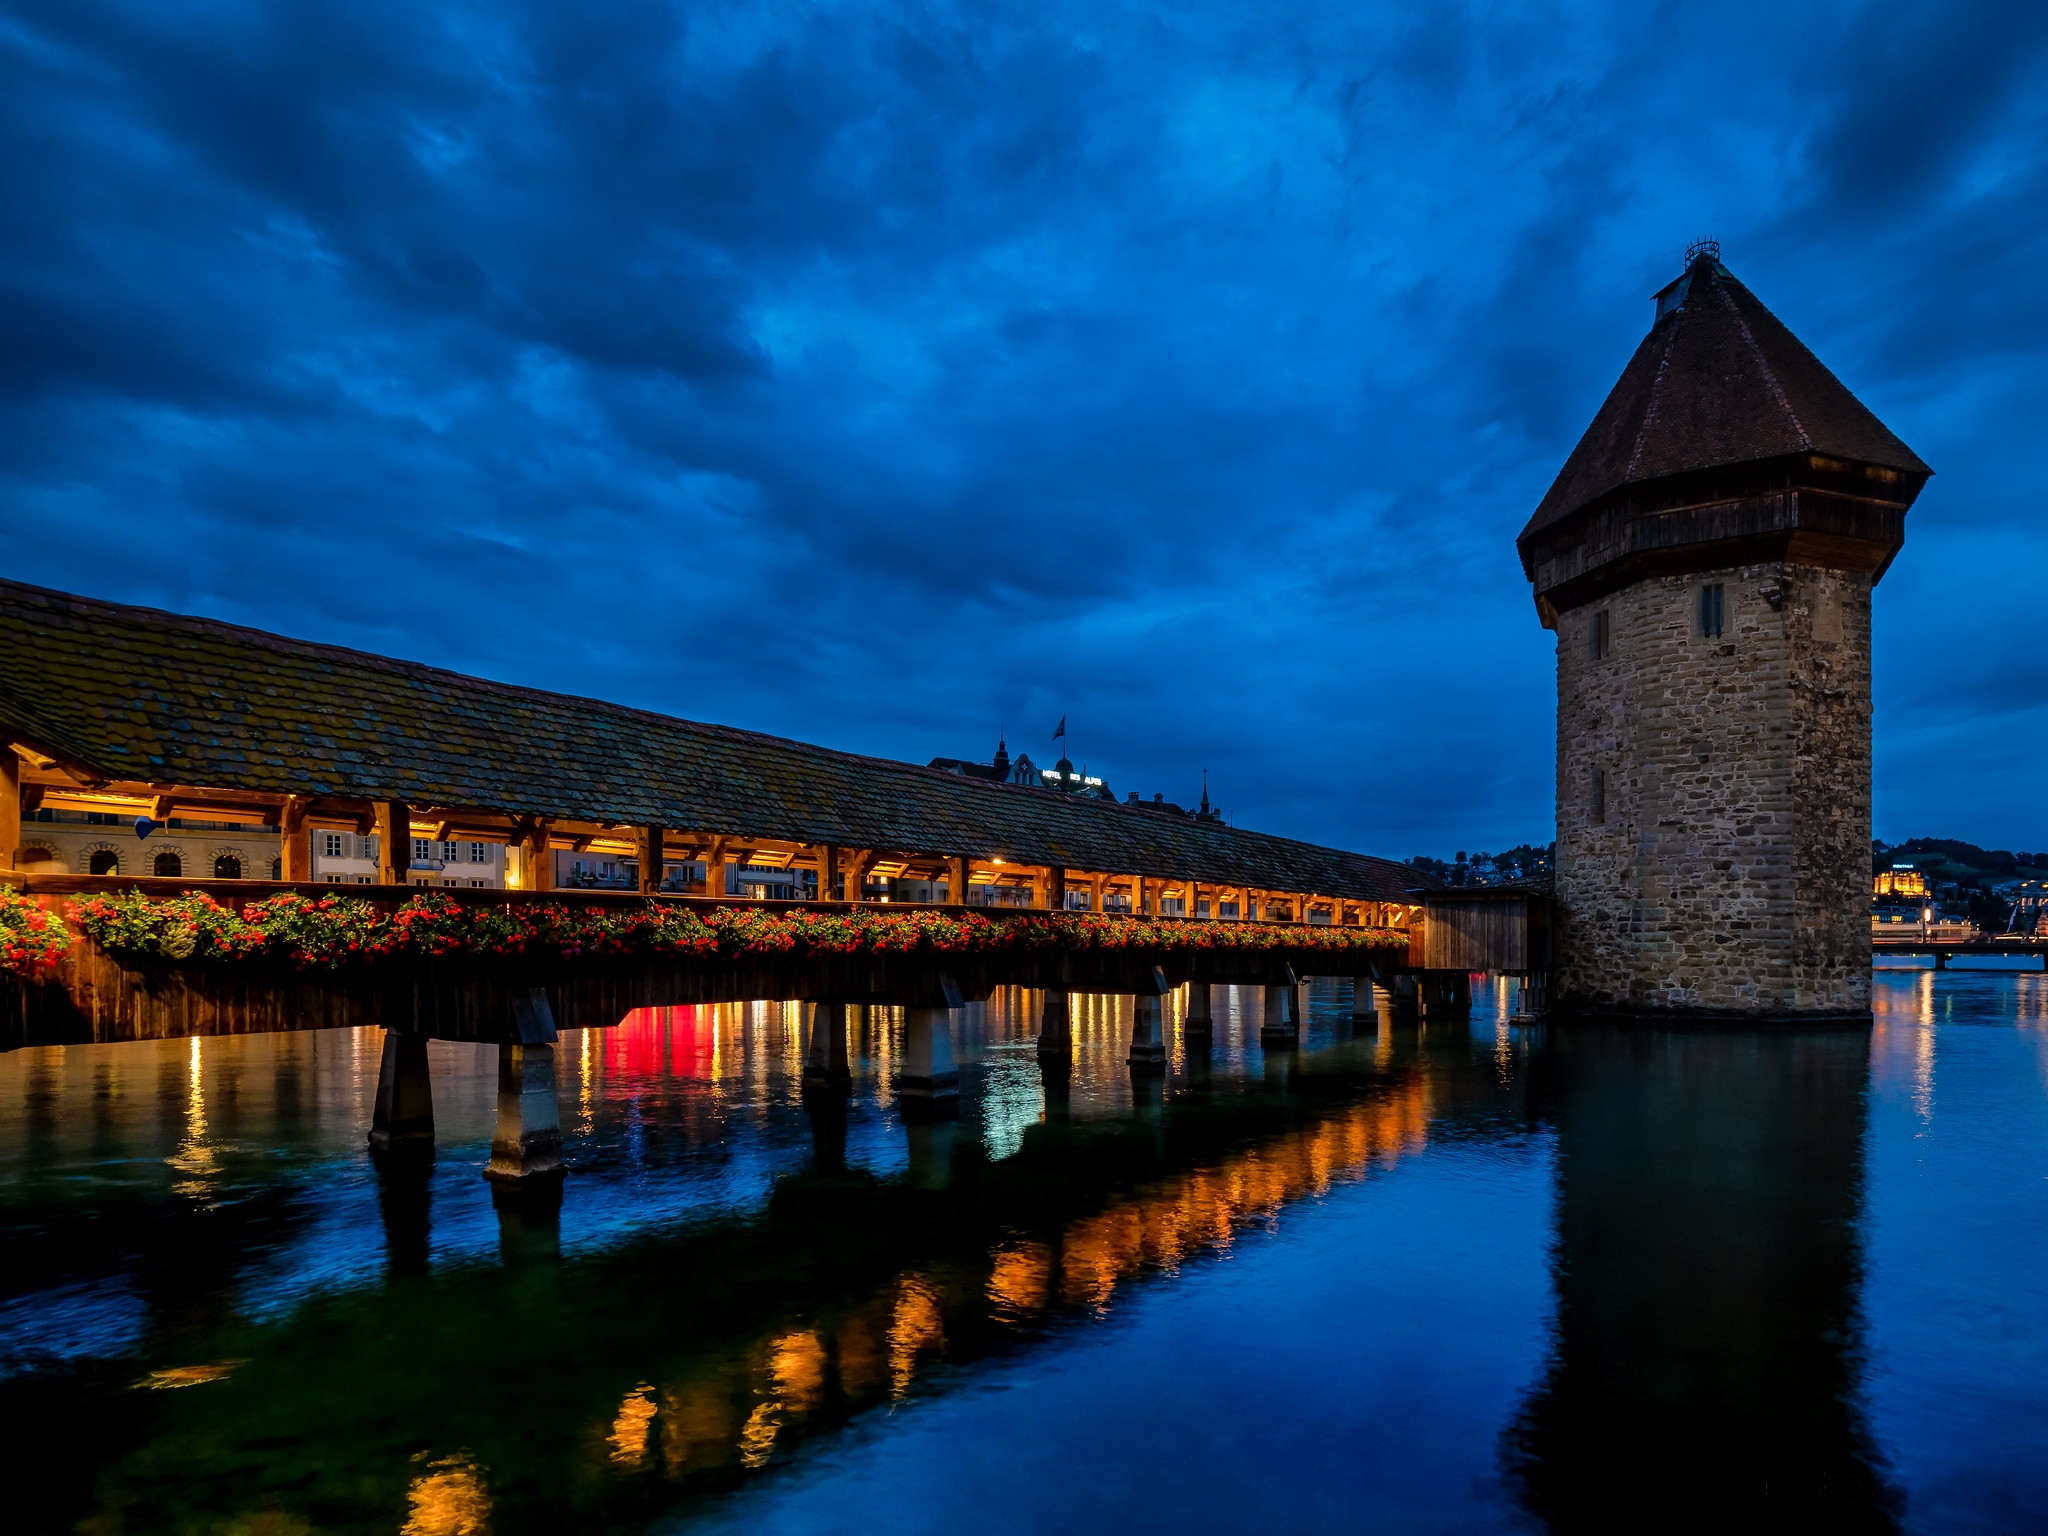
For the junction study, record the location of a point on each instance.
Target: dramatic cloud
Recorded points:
(886, 376)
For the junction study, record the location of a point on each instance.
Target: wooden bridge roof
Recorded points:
(138, 695)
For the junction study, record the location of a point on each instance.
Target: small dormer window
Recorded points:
(1672, 297)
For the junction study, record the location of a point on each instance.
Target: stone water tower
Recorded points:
(1706, 558)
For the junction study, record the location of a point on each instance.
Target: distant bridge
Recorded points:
(1943, 950)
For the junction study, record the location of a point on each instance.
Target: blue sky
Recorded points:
(888, 375)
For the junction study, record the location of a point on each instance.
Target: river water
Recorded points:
(1456, 1277)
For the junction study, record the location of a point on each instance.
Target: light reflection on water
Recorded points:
(1444, 1277)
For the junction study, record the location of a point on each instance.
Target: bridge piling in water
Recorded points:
(403, 1119)
(1199, 1025)
(825, 1057)
(528, 1145)
(1280, 1028)
(527, 1148)
(1055, 1027)
(1148, 1028)
(929, 1084)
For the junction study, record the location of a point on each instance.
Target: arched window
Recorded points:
(104, 862)
(36, 857)
(227, 866)
(168, 863)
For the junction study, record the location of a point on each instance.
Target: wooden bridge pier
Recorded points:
(1148, 1033)
(826, 1064)
(1055, 1026)
(403, 1121)
(1280, 1023)
(528, 1144)
(928, 1086)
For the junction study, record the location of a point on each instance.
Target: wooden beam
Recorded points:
(10, 808)
(530, 863)
(956, 882)
(828, 872)
(394, 842)
(649, 845)
(295, 845)
(715, 878)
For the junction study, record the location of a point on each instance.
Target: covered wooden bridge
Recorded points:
(134, 712)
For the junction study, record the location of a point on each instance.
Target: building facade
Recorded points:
(1706, 559)
(100, 843)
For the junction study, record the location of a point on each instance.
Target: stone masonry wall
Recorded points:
(1730, 873)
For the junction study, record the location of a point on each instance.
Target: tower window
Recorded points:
(1711, 607)
(1599, 797)
(1597, 636)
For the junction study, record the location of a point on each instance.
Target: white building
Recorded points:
(347, 858)
(99, 843)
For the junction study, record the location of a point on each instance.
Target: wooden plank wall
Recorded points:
(1496, 934)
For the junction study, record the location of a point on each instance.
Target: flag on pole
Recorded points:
(1061, 733)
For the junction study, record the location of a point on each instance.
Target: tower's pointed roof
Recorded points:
(1718, 380)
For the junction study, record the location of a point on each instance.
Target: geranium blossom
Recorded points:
(333, 932)
(31, 938)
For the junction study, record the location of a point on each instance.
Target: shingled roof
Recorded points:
(1718, 380)
(140, 695)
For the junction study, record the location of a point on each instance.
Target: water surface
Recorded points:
(1457, 1277)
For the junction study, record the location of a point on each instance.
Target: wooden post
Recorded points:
(394, 842)
(1056, 889)
(828, 872)
(10, 806)
(1138, 896)
(649, 846)
(1097, 885)
(296, 843)
(540, 868)
(956, 882)
(715, 880)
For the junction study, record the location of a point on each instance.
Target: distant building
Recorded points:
(1002, 769)
(1065, 777)
(1901, 880)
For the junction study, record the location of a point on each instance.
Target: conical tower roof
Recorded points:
(1724, 443)
(1718, 381)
